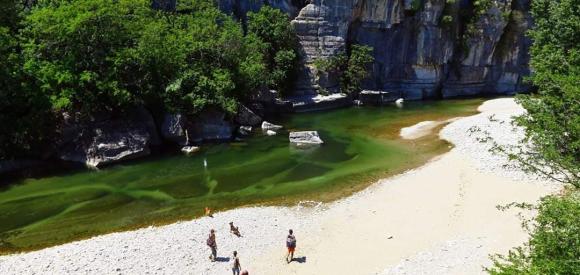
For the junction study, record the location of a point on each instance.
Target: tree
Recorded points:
(552, 134)
(26, 119)
(351, 69)
(273, 27)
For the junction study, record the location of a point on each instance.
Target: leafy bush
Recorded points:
(554, 245)
(352, 69)
(552, 129)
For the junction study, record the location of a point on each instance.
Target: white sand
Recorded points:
(423, 128)
(437, 219)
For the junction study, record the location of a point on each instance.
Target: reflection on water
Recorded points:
(360, 146)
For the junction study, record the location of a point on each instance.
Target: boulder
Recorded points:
(245, 116)
(305, 138)
(269, 126)
(173, 129)
(270, 133)
(107, 142)
(210, 125)
(245, 130)
(188, 150)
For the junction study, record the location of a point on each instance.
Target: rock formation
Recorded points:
(422, 48)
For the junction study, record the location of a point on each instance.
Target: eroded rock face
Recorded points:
(107, 142)
(417, 51)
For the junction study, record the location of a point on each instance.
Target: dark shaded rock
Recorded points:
(173, 129)
(245, 116)
(107, 142)
(11, 166)
(210, 125)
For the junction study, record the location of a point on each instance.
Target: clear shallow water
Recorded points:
(361, 146)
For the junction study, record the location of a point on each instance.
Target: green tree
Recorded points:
(552, 131)
(351, 69)
(273, 27)
(73, 48)
(26, 119)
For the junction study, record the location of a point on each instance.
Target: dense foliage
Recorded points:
(552, 128)
(552, 121)
(271, 26)
(554, 245)
(352, 69)
(25, 113)
(92, 56)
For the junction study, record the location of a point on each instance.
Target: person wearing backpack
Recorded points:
(212, 245)
(291, 245)
(236, 266)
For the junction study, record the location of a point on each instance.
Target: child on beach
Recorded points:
(212, 245)
(236, 266)
(291, 245)
(235, 230)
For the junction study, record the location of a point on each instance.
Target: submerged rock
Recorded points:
(188, 150)
(270, 133)
(269, 126)
(305, 138)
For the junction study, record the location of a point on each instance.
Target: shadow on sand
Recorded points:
(300, 260)
(222, 259)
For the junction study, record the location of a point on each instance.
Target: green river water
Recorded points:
(361, 146)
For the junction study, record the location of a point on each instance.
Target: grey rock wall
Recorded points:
(417, 53)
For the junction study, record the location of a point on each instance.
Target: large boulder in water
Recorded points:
(107, 142)
(305, 138)
(210, 125)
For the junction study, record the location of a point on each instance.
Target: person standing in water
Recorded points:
(236, 266)
(291, 245)
(212, 245)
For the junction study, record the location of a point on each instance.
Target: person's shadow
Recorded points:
(300, 260)
(222, 259)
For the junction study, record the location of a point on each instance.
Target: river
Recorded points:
(361, 146)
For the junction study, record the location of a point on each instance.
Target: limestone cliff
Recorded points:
(422, 48)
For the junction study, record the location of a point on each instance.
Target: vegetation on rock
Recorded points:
(351, 69)
(92, 56)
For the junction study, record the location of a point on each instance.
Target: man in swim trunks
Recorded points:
(291, 245)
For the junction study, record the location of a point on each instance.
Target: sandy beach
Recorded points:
(440, 218)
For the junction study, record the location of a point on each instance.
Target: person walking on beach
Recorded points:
(291, 245)
(236, 266)
(212, 245)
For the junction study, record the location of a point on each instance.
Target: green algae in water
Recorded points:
(361, 145)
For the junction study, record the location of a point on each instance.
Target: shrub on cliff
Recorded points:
(351, 69)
